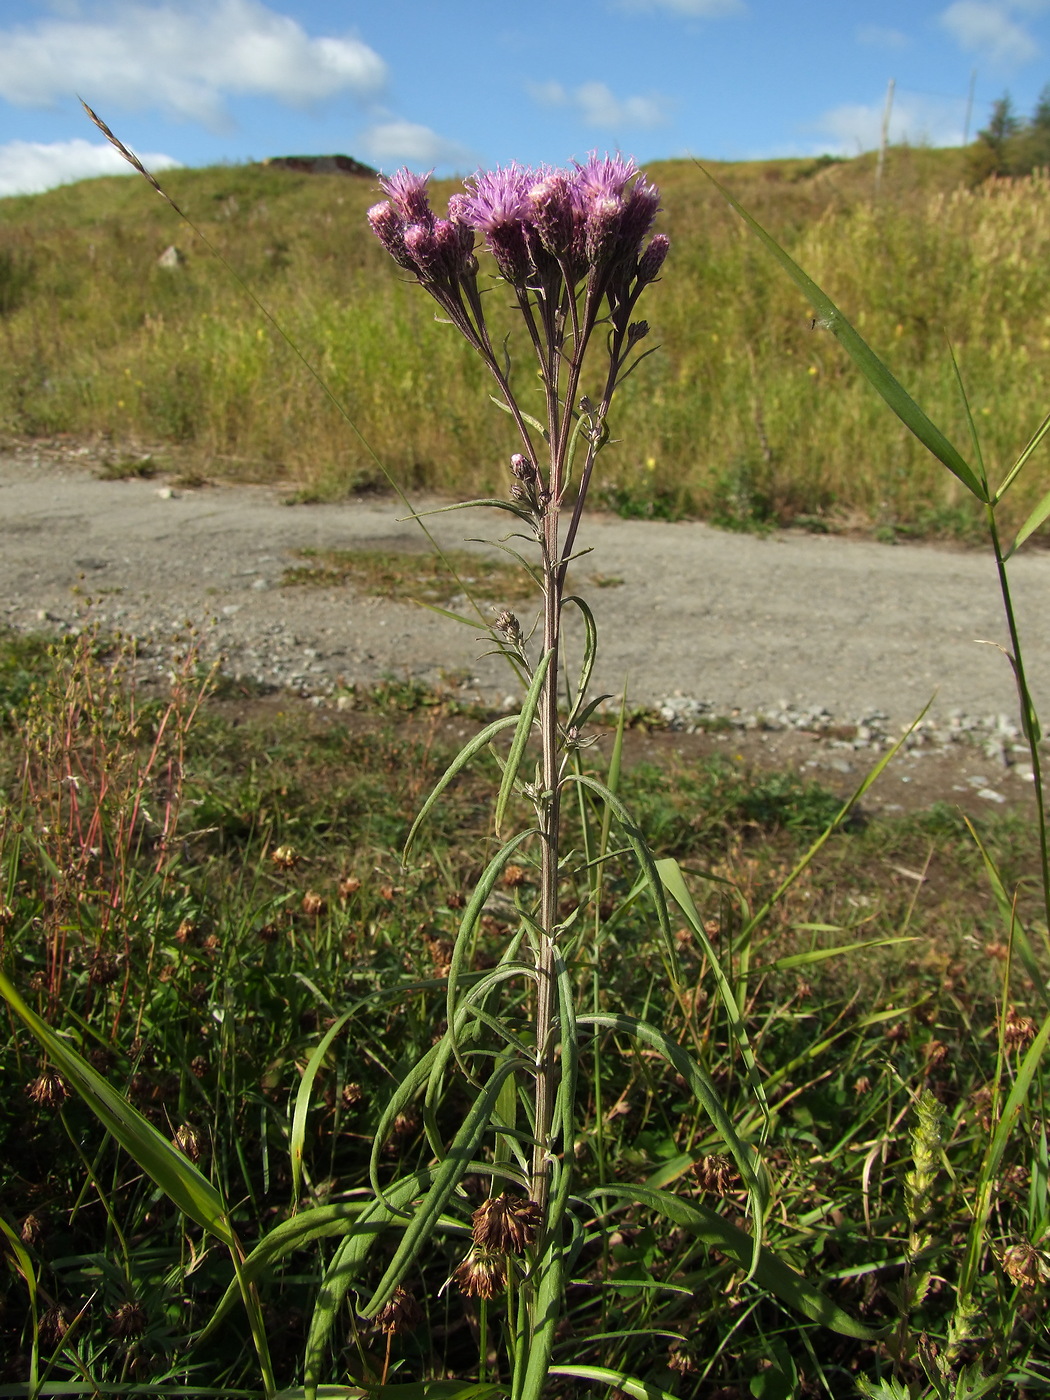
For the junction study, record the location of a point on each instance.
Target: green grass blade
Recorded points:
(173, 1172)
(302, 1102)
(770, 1273)
(23, 1265)
(751, 1168)
(674, 883)
(616, 1380)
(877, 374)
(1018, 466)
(1030, 525)
(520, 740)
(645, 860)
(469, 751)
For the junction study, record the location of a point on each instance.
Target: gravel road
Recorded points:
(787, 630)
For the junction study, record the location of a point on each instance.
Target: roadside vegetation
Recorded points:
(750, 415)
(193, 891)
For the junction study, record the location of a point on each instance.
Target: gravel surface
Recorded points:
(779, 635)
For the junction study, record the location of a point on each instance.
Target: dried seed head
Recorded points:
(514, 875)
(313, 904)
(1018, 1031)
(54, 1324)
(127, 1321)
(862, 1086)
(715, 1173)
(7, 916)
(352, 1094)
(186, 931)
(49, 1090)
(188, 1141)
(507, 1224)
(32, 1231)
(285, 857)
(482, 1275)
(1021, 1262)
(681, 1359)
(349, 885)
(401, 1314)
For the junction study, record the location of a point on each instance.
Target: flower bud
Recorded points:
(651, 261)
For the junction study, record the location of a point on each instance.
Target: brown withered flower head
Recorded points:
(188, 1141)
(48, 1090)
(1021, 1262)
(1018, 1031)
(128, 1320)
(285, 857)
(715, 1173)
(482, 1275)
(401, 1314)
(506, 1224)
(313, 904)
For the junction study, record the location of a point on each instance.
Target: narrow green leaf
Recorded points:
(590, 651)
(526, 417)
(618, 1380)
(674, 883)
(521, 739)
(446, 1179)
(469, 751)
(816, 955)
(645, 860)
(771, 1272)
(750, 1165)
(174, 1173)
(1031, 524)
(302, 1102)
(492, 501)
(1031, 445)
(829, 317)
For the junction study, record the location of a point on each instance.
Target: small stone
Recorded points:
(166, 493)
(990, 795)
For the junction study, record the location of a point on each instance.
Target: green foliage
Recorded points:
(1013, 146)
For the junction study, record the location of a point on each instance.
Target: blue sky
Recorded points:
(458, 84)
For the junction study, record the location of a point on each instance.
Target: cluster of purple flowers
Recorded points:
(541, 226)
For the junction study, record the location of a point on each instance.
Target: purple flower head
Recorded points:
(389, 228)
(651, 261)
(497, 197)
(408, 194)
(641, 204)
(607, 178)
(496, 205)
(422, 246)
(553, 209)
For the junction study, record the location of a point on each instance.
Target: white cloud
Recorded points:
(30, 167)
(918, 120)
(689, 9)
(880, 37)
(393, 143)
(988, 27)
(598, 106)
(186, 60)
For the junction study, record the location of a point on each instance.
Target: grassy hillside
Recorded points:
(746, 414)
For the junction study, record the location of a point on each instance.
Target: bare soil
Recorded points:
(807, 651)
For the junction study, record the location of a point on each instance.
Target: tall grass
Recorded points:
(744, 417)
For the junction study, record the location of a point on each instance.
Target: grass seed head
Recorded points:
(188, 1141)
(715, 1173)
(1021, 1262)
(1018, 1031)
(314, 904)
